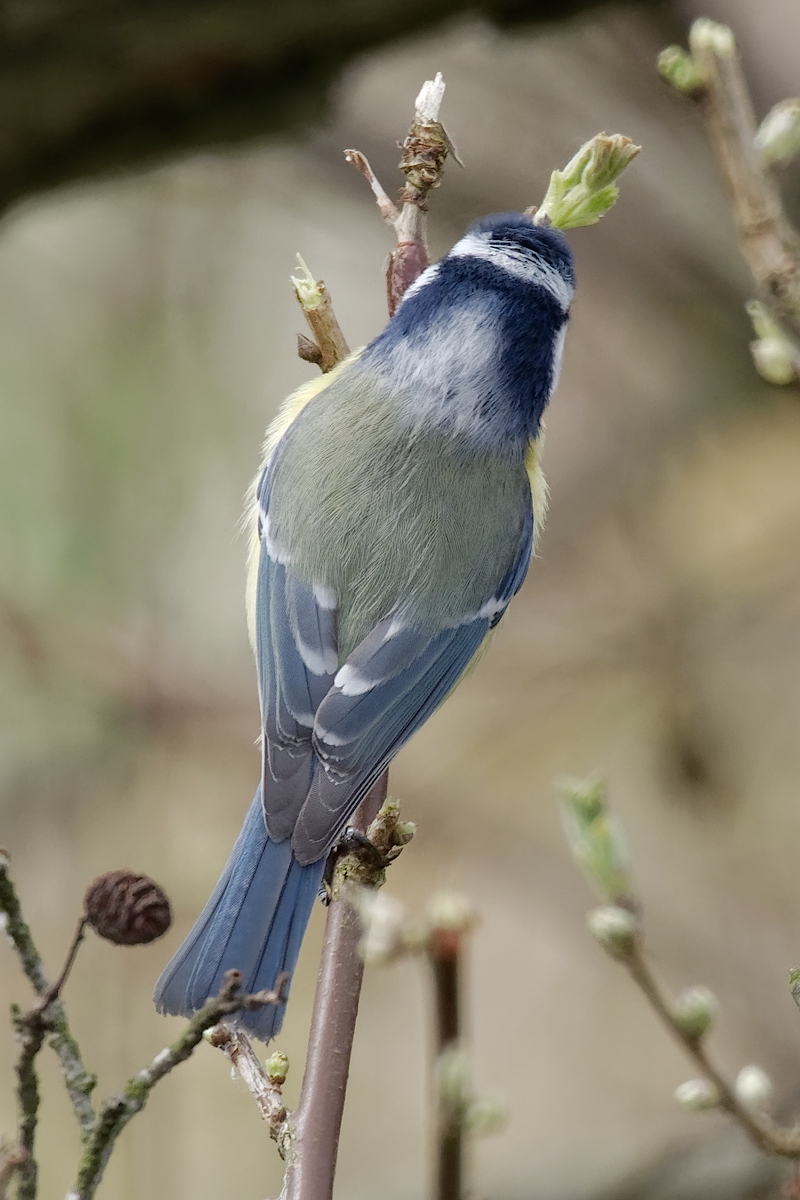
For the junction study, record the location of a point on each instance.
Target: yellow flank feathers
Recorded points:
(292, 406)
(540, 492)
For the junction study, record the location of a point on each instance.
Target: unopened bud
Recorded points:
(614, 928)
(697, 1095)
(753, 1089)
(695, 1010)
(277, 1067)
(778, 137)
(451, 912)
(677, 66)
(709, 35)
(486, 1115)
(774, 360)
(127, 909)
(595, 839)
(383, 921)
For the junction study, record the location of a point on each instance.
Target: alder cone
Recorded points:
(127, 909)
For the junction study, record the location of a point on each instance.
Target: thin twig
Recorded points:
(767, 1135)
(11, 1159)
(119, 1110)
(263, 1086)
(445, 957)
(80, 1083)
(329, 346)
(313, 1141)
(424, 152)
(30, 1031)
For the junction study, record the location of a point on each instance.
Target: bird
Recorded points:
(393, 519)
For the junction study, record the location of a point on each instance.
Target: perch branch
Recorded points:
(712, 75)
(119, 1110)
(80, 1083)
(312, 1139)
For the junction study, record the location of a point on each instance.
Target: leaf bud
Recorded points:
(614, 928)
(697, 1095)
(277, 1067)
(677, 66)
(695, 1010)
(753, 1089)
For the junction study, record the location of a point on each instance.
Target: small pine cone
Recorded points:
(127, 909)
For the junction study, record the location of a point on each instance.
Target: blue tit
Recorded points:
(394, 519)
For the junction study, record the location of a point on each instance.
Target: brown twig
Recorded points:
(11, 1159)
(712, 75)
(313, 1141)
(425, 150)
(329, 346)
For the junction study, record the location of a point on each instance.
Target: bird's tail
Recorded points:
(254, 921)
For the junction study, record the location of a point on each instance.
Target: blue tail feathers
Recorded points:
(254, 921)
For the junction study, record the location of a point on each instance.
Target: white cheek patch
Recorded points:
(525, 265)
(426, 277)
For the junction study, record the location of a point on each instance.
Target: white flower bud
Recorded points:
(383, 920)
(697, 1095)
(695, 1010)
(778, 137)
(754, 1089)
(451, 912)
(486, 1115)
(709, 35)
(614, 928)
(774, 360)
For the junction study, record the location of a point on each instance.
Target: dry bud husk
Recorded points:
(127, 909)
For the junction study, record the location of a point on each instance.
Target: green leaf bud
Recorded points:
(585, 190)
(697, 1095)
(677, 66)
(695, 1010)
(486, 1115)
(595, 840)
(754, 1089)
(277, 1067)
(614, 928)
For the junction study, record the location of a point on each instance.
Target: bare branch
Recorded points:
(712, 75)
(264, 1086)
(329, 341)
(119, 1110)
(80, 1083)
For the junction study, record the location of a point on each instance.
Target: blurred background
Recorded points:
(147, 334)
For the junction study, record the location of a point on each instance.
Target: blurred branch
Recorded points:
(712, 75)
(92, 89)
(119, 1110)
(617, 926)
(80, 1083)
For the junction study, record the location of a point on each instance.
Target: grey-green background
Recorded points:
(146, 337)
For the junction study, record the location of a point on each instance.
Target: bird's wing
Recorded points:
(296, 657)
(388, 687)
